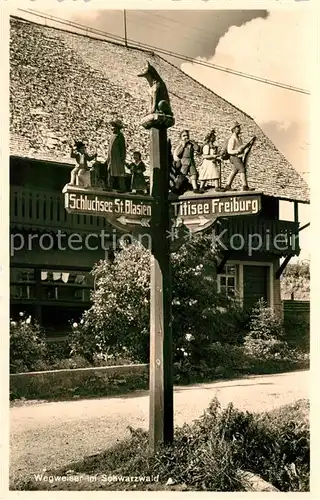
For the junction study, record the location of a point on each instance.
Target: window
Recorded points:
(22, 283)
(50, 285)
(227, 281)
(22, 292)
(67, 286)
(22, 275)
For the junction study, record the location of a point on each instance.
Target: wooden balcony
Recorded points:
(32, 209)
(251, 233)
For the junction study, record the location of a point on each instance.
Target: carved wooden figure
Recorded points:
(137, 169)
(80, 175)
(237, 153)
(160, 109)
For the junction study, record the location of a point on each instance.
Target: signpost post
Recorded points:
(160, 382)
(166, 219)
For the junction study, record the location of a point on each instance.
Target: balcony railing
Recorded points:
(34, 209)
(253, 234)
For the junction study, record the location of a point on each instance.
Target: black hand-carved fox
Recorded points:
(160, 101)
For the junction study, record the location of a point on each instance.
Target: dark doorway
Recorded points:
(255, 285)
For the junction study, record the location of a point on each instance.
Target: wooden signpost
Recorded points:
(167, 219)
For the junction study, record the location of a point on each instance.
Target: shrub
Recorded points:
(118, 321)
(75, 384)
(266, 333)
(296, 280)
(212, 453)
(271, 348)
(273, 444)
(297, 331)
(222, 360)
(207, 454)
(57, 350)
(70, 363)
(264, 322)
(27, 345)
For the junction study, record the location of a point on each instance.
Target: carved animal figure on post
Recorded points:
(160, 102)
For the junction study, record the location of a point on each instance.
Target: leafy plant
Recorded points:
(265, 339)
(264, 322)
(212, 452)
(118, 321)
(296, 280)
(27, 345)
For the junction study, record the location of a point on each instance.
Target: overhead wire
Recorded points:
(207, 38)
(135, 44)
(165, 27)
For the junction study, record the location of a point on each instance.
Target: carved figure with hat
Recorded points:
(116, 157)
(183, 156)
(237, 153)
(137, 169)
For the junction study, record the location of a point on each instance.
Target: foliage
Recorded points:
(118, 321)
(70, 363)
(27, 345)
(211, 453)
(296, 280)
(264, 322)
(57, 350)
(207, 454)
(297, 331)
(60, 386)
(266, 333)
(223, 360)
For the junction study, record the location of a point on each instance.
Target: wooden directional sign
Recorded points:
(198, 212)
(126, 212)
(188, 213)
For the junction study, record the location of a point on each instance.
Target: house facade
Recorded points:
(50, 108)
(50, 263)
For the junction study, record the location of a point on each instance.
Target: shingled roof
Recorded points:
(65, 86)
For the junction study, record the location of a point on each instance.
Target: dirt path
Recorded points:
(49, 435)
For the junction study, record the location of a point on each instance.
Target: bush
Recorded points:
(265, 323)
(212, 453)
(27, 345)
(208, 454)
(274, 445)
(296, 280)
(77, 384)
(71, 363)
(297, 332)
(266, 333)
(118, 321)
(222, 361)
(266, 444)
(57, 350)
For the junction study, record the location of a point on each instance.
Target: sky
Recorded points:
(272, 44)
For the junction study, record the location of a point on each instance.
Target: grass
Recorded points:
(210, 454)
(56, 387)
(94, 385)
